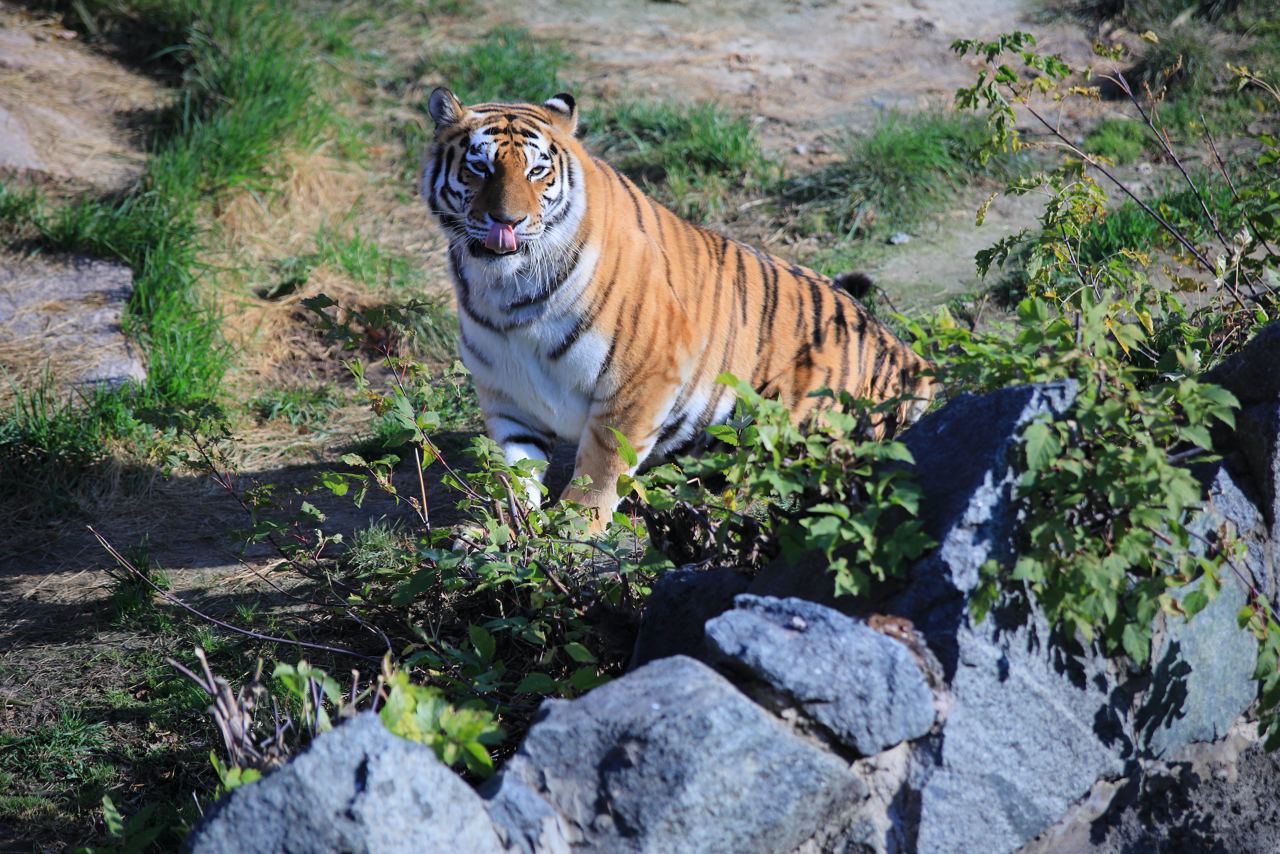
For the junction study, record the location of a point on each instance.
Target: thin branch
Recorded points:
(174, 600)
(1168, 149)
(1173, 232)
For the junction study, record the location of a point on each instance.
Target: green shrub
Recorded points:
(1110, 510)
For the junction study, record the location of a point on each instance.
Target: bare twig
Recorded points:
(174, 600)
(1173, 232)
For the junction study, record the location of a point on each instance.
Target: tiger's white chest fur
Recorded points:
(519, 360)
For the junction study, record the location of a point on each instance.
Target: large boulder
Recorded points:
(672, 757)
(1251, 373)
(1201, 679)
(356, 789)
(862, 687)
(1257, 438)
(681, 601)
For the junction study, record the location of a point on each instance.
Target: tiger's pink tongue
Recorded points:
(501, 238)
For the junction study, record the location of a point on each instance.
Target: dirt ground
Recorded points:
(68, 116)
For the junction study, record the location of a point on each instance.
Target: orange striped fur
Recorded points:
(612, 312)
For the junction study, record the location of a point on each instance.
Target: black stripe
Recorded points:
(464, 295)
(815, 290)
(740, 283)
(587, 320)
(539, 442)
(842, 331)
(475, 351)
(670, 430)
(771, 287)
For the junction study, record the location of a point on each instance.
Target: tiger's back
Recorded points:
(584, 306)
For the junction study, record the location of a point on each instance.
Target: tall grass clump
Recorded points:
(689, 157)
(888, 177)
(508, 64)
(248, 87)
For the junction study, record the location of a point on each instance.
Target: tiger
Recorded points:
(586, 307)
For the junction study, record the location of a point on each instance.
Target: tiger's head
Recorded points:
(500, 177)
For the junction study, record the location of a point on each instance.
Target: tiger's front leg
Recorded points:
(520, 435)
(598, 459)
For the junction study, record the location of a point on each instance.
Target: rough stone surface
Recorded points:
(356, 789)
(1231, 501)
(1216, 798)
(683, 600)
(1258, 439)
(864, 687)
(964, 464)
(673, 758)
(1029, 728)
(1253, 373)
(67, 313)
(1202, 677)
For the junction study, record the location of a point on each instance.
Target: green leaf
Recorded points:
(1041, 445)
(112, 818)
(483, 641)
(1136, 640)
(579, 653)
(536, 683)
(724, 433)
(625, 450)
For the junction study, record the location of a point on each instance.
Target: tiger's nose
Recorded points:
(506, 219)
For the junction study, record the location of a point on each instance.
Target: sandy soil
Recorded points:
(67, 114)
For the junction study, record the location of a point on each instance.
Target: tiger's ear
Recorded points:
(564, 111)
(445, 108)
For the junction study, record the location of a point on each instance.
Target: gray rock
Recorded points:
(1229, 503)
(1202, 679)
(864, 687)
(524, 821)
(1202, 668)
(963, 465)
(1029, 731)
(1030, 726)
(681, 601)
(356, 789)
(1258, 439)
(1251, 374)
(68, 313)
(898, 238)
(673, 758)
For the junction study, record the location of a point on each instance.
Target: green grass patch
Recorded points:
(508, 64)
(692, 158)
(249, 74)
(300, 406)
(887, 179)
(1120, 140)
(58, 754)
(1129, 227)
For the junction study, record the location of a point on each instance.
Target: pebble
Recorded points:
(898, 238)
